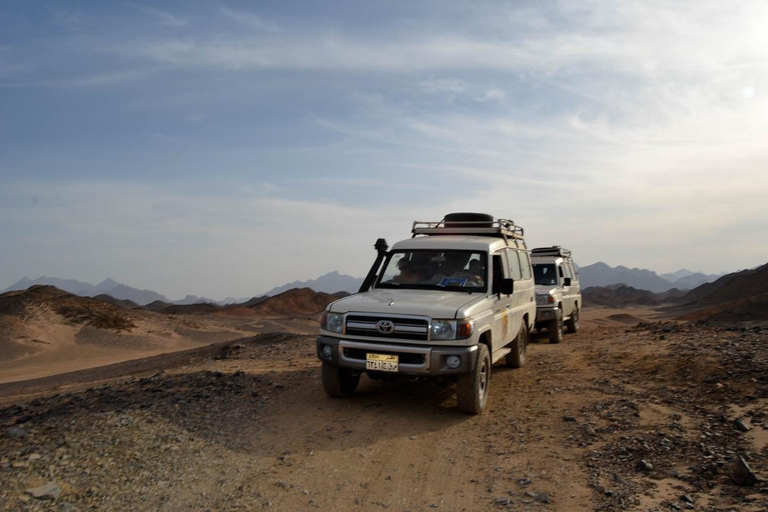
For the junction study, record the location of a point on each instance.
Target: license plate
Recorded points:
(381, 362)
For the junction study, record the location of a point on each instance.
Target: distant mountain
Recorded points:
(194, 299)
(601, 274)
(686, 280)
(141, 297)
(68, 285)
(674, 276)
(329, 283)
(107, 287)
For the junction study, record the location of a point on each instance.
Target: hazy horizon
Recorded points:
(222, 148)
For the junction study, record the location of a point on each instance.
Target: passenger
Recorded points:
(406, 275)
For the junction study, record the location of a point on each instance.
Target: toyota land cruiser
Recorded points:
(452, 300)
(558, 294)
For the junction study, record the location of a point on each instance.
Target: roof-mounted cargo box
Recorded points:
(474, 224)
(555, 250)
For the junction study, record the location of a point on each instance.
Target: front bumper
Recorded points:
(547, 314)
(414, 359)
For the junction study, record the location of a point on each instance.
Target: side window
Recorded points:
(574, 274)
(567, 269)
(525, 263)
(498, 273)
(514, 265)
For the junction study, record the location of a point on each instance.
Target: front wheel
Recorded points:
(339, 382)
(573, 322)
(472, 387)
(555, 330)
(517, 357)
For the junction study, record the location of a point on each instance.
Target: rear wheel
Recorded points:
(573, 322)
(517, 357)
(339, 382)
(472, 387)
(555, 330)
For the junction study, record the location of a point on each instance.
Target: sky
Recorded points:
(225, 148)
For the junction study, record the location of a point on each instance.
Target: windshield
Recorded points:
(545, 273)
(435, 270)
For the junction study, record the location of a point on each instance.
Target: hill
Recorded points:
(618, 296)
(295, 302)
(738, 297)
(107, 287)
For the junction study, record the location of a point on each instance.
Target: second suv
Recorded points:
(558, 294)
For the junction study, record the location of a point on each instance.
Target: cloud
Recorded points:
(252, 20)
(165, 18)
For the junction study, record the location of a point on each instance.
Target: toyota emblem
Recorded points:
(385, 326)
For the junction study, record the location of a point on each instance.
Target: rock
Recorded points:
(569, 419)
(503, 501)
(522, 482)
(644, 465)
(742, 474)
(543, 497)
(686, 498)
(740, 425)
(49, 491)
(590, 431)
(15, 432)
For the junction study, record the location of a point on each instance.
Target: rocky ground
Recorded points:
(660, 416)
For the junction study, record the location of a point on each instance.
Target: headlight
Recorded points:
(443, 329)
(332, 322)
(544, 298)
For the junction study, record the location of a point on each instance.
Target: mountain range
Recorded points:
(330, 283)
(602, 274)
(597, 274)
(107, 287)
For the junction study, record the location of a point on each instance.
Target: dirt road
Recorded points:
(616, 417)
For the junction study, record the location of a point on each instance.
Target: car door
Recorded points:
(569, 299)
(502, 303)
(516, 302)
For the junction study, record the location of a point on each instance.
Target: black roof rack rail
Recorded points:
(502, 228)
(555, 250)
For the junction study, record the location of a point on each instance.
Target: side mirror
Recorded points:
(507, 286)
(567, 281)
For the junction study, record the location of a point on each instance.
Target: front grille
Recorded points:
(405, 328)
(403, 357)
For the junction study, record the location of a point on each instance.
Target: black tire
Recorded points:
(472, 387)
(339, 382)
(555, 330)
(573, 323)
(483, 220)
(518, 356)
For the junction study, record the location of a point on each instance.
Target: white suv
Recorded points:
(558, 293)
(450, 301)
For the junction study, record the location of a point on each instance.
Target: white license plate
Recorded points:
(382, 362)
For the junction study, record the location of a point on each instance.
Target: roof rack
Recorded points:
(555, 250)
(502, 228)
